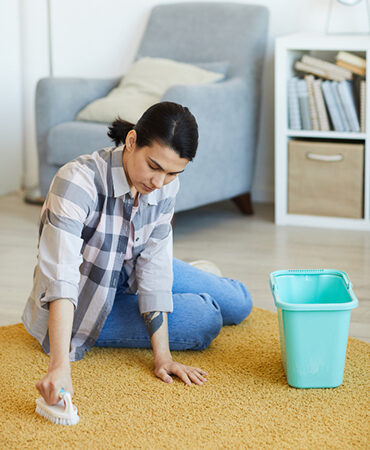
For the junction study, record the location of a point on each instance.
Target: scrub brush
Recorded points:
(62, 413)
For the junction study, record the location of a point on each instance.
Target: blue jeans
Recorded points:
(202, 304)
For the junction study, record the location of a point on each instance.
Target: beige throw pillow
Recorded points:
(143, 86)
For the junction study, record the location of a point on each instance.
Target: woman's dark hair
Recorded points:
(168, 123)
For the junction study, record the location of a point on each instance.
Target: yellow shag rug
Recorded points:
(246, 402)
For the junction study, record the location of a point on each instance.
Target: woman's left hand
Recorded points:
(165, 368)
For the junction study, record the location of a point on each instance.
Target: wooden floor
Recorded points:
(245, 248)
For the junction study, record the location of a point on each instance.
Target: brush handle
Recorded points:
(66, 396)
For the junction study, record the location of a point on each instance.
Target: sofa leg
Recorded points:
(33, 196)
(244, 203)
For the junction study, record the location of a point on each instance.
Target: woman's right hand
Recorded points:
(50, 385)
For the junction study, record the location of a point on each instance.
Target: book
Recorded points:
(304, 108)
(325, 65)
(346, 94)
(311, 102)
(351, 58)
(322, 73)
(363, 106)
(328, 93)
(355, 69)
(356, 82)
(335, 100)
(320, 104)
(293, 105)
(341, 110)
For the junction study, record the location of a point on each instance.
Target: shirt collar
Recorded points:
(120, 183)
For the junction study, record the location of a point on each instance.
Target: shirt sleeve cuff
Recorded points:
(155, 301)
(57, 290)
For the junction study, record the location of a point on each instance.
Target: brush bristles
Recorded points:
(57, 420)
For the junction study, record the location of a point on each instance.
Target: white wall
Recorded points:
(92, 38)
(11, 123)
(35, 57)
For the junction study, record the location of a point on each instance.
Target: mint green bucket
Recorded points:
(314, 309)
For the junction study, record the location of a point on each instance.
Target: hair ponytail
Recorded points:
(119, 130)
(168, 123)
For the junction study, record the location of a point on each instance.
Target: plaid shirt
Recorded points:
(83, 235)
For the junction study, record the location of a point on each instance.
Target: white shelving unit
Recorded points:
(288, 49)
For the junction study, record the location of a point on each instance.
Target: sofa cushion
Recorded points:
(69, 140)
(143, 86)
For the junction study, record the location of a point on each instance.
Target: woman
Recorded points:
(105, 274)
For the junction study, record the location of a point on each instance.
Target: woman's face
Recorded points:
(150, 168)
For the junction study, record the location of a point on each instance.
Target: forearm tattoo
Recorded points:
(153, 321)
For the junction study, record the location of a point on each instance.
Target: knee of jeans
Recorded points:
(209, 326)
(241, 305)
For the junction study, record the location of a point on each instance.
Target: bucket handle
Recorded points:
(273, 286)
(344, 275)
(346, 280)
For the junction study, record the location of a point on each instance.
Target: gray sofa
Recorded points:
(227, 112)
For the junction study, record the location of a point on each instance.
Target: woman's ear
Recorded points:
(131, 140)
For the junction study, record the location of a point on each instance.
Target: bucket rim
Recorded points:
(312, 306)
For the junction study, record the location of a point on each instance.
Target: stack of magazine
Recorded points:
(330, 96)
